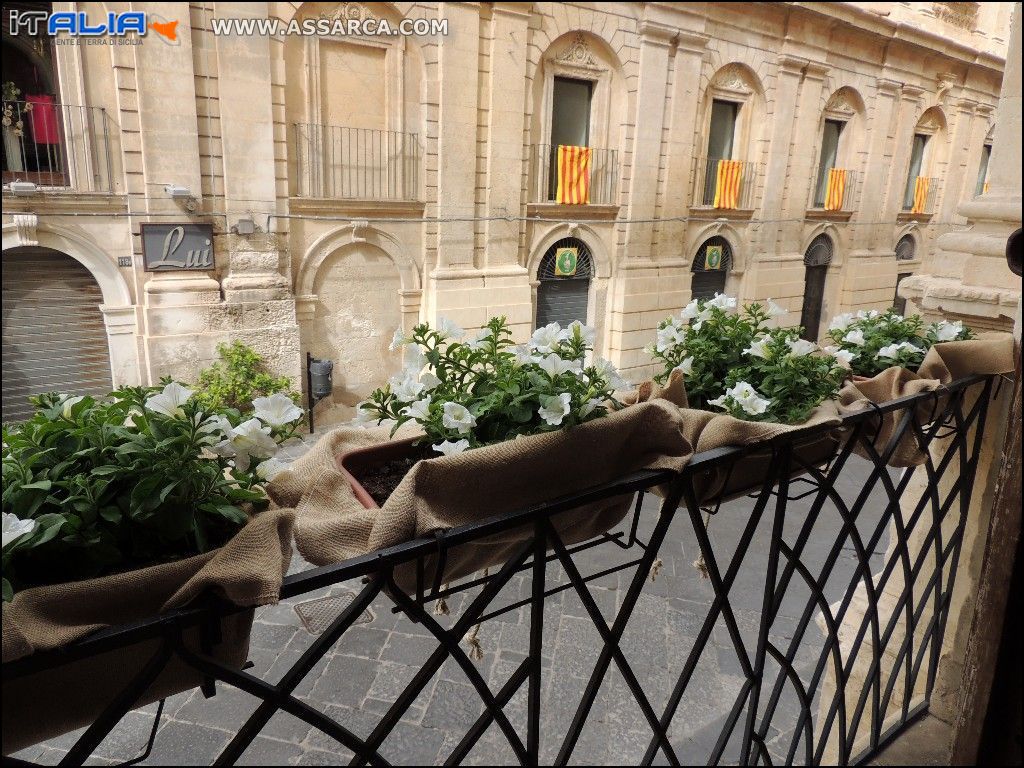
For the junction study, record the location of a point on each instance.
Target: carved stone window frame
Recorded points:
(729, 84)
(577, 61)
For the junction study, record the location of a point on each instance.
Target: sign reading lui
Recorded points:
(176, 247)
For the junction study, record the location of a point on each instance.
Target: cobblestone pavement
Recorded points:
(370, 665)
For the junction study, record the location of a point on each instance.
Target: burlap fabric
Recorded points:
(247, 571)
(990, 353)
(449, 491)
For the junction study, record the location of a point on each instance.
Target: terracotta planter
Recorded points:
(362, 461)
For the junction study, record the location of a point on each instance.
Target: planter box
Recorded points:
(63, 698)
(357, 464)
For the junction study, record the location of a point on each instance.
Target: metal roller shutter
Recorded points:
(54, 339)
(563, 299)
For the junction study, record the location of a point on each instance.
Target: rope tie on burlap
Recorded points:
(472, 638)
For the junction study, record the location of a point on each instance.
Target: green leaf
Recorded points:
(42, 485)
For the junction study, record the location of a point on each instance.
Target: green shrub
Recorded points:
(238, 378)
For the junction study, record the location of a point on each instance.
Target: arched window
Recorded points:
(926, 160)
(564, 290)
(710, 268)
(906, 250)
(817, 258)
(841, 127)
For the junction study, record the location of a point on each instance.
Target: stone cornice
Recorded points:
(888, 87)
(655, 33)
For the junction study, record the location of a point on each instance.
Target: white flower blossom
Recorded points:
(269, 469)
(418, 410)
(841, 322)
(686, 366)
(249, 440)
(449, 329)
(477, 341)
(399, 340)
(523, 354)
(68, 402)
(871, 314)
(276, 410)
(607, 370)
(723, 302)
(774, 310)
(406, 386)
(414, 358)
(690, 311)
(843, 356)
(457, 416)
(587, 333)
(554, 408)
(855, 337)
(747, 398)
(451, 448)
(757, 348)
(668, 337)
(169, 401)
(588, 407)
(890, 351)
(547, 338)
(553, 365)
(14, 528)
(947, 331)
(801, 347)
(364, 416)
(429, 381)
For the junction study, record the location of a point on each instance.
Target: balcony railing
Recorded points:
(603, 175)
(725, 184)
(836, 192)
(57, 146)
(829, 608)
(920, 196)
(334, 161)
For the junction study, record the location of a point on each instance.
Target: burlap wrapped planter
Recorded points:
(246, 571)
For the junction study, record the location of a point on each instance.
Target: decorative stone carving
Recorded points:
(359, 230)
(732, 77)
(929, 121)
(945, 83)
(839, 103)
(578, 53)
(963, 15)
(349, 12)
(25, 224)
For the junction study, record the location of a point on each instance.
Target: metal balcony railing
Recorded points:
(828, 603)
(920, 195)
(725, 184)
(57, 146)
(837, 190)
(603, 175)
(334, 161)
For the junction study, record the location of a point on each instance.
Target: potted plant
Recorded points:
(875, 341)
(14, 126)
(114, 506)
(732, 361)
(468, 394)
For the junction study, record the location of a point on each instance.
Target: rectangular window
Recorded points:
(829, 152)
(916, 163)
(570, 121)
(721, 134)
(986, 154)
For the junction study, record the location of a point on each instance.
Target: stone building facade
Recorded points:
(356, 183)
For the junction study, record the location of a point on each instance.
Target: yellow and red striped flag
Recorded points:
(920, 194)
(727, 183)
(573, 175)
(835, 190)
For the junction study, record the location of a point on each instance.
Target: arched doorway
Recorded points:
(564, 291)
(357, 312)
(816, 260)
(710, 268)
(54, 337)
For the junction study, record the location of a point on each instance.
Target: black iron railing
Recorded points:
(836, 650)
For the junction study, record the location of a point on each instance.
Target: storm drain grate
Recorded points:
(317, 615)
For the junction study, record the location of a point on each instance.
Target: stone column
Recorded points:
(958, 166)
(878, 170)
(910, 105)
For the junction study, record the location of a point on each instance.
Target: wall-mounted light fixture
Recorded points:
(319, 382)
(245, 227)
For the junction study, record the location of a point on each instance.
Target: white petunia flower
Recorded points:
(774, 310)
(719, 401)
(547, 338)
(607, 370)
(457, 416)
(841, 322)
(449, 329)
(169, 401)
(269, 469)
(418, 410)
(249, 440)
(690, 311)
(723, 302)
(553, 365)
(587, 333)
(843, 356)
(68, 402)
(855, 337)
(668, 337)
(686, 366)
(748, 398)
(890, 351)
(801, 347)
(523, 354)
(276, 410)
(477, 341)
(757, 348)
(554, 408)
(451, 448)
(415, 358)
(399, 340)
(946, 331)
(406, 386)
(14, 528)
(871, 314)
(588, 407)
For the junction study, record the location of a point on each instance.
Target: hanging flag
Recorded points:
(836, 189)
(573, 175)
(43, 119)
(920, 194)
(565, 261)
(727, 183)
